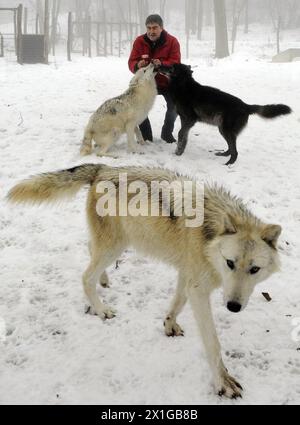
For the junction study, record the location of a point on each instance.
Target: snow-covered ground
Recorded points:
(51, 351)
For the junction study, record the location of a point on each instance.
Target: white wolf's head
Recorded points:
(244, 255)
(144, 74)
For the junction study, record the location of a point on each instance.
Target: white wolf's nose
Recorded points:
(234, 306)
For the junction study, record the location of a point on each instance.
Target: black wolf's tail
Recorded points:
(269, 111)
(50, 187)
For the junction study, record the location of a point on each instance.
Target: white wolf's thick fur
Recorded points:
(122, 114)
(232, 248)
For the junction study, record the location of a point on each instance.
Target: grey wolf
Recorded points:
(195, 102)
(232, 249)
(159, 47)
(122, 114)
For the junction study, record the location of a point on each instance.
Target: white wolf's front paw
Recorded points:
(104, 313)
(227, 386)
(172, 328)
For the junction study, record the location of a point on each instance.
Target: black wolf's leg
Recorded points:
(186, 125)
(230, 138)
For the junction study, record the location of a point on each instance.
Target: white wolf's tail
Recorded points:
(50, 187)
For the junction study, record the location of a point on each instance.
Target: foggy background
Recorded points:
(270, 21)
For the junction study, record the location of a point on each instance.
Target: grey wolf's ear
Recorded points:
(229, 226)
(270, 234)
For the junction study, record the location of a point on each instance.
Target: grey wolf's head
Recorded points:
(143, 75)
(176, 71)
(243, 254)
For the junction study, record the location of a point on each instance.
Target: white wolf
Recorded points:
(122, 114)
(232, 248)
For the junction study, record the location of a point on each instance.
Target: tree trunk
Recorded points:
(221, 29)
(46, 30)
(246, 27)
(200, 19)
(208, 12)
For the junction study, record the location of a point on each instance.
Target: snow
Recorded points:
(54, 353)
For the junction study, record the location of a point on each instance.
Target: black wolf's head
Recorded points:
(178, 71)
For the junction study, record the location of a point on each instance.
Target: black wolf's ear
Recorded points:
(190, 69)
(270, 234)
(229, 226)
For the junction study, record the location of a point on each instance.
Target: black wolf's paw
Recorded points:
(231, 161)
(222, 153)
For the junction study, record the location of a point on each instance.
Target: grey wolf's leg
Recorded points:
(186, 125)
(171, 327)
(132, 145)
(223, 382)
(86, 144)
(103, 143)
(139, 136)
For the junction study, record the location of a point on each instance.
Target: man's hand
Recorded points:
(156, 62)
(142, 63)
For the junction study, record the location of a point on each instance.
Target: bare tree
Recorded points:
(40, 14)
(162, 7)
(238, 6)
(277, 9)
(200, 19)
(54, 22)
(246, 27)
(143, 12)
(208, 12)
(221, 29)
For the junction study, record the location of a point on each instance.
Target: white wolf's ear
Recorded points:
(270, 234)
(229, 226)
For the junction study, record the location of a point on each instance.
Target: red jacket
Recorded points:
(167, 49)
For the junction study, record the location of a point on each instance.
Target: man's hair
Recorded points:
(154, 19)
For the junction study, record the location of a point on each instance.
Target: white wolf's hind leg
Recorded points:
(104, 279)
(171, 327)
(95, 272)
(90, 279)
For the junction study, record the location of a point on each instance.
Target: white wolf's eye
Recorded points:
(230, 264)
(254, 269)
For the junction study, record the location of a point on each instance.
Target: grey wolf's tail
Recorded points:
(50, 187)
(269, 111)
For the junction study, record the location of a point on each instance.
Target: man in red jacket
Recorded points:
(158, 47)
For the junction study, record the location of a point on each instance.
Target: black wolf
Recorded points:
(195, 102)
